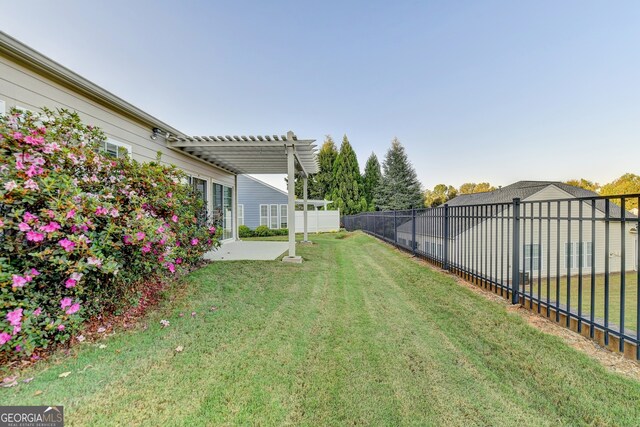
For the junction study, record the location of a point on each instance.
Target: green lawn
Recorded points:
(630, 300)
(358, 334)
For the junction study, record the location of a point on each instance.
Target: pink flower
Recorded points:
(114, 213)
(127, 240)
(71, 214)
(33, 140)
(50, 148)
(51, 227)
(194, 241)
(140, 235)
(34, 236)
(174, 218)
(15, 317)
(61, 327)
(18, 136)
(146, 248)
(31, 185)
(178, 260)
(4, 338)
(16, 329)
(37, 311)
(171, 267)
(67, 244)
(65, 302)
(101, 210)
(94, 261)
(23, 226)
(35, 272)
(10, 186)
(212, 230)
(1, 223)
(169, 195)
(28, 216)
(160, 229)
(18, 281)
(34, 171)
(73, 309)
(70, 283)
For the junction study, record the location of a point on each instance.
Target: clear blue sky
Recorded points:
(493, 91)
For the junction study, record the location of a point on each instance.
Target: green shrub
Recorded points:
(245, 231)
(262, 231)
(80, 231)
(281, 232)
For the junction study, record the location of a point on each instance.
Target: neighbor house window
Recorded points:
(273, 220)
(115, 148)
(240, 214)
(284, 217)
(532, 257)
(572, 254)
(264, 215)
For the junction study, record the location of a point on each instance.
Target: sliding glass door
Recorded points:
(223, 209)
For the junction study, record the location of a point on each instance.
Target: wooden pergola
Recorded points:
(275, 154)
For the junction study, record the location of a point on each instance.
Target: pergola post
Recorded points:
(304, 185)
(291, 209)
(236, 226)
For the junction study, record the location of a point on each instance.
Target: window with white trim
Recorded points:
(572, 254)
(532, 257)
(115, 148)
(240, 214)
(264, 215)
(284, 216)
(273, 220)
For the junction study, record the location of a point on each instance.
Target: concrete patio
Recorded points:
(242, 251)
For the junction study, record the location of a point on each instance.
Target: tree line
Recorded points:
(392, 185)
(626, 184)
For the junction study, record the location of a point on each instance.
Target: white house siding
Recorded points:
(19, 86)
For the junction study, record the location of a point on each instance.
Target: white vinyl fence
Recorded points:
(318, 221)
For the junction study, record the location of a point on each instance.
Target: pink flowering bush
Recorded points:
(80, 231)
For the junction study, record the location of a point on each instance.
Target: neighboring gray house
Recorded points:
(539, 237)
(262, 204)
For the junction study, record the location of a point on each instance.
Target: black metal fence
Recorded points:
(575, 260)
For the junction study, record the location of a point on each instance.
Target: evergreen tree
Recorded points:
(347, 182)
(326, 158)
(319, 185)
(400, 188)
(371, 180)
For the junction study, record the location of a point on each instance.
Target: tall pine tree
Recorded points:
(400, 188)
(347, 182)
(371, 180)
(319, 185)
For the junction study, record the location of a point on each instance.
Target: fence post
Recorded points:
(446, 236)
(413, 231)
(395, 230)
(515, 263)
